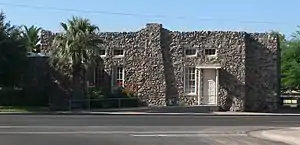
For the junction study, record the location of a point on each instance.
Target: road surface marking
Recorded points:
(4, 127)
(135, 134)
(55, 132)
(286, 121)
(118, 127)
(184, 135)
(119, 132)
(80, 132)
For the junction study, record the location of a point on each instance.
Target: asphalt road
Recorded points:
(148, 120)
(141, 129)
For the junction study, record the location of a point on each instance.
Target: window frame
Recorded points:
(114, 76)
(103, 55)
(187, 78)
(209, 49)
(101, 71)
(190, 48)
(118, 49)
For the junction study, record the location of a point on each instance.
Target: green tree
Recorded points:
(12, 54)
(290, 65)
(76, 48)
(31, 38)
(290, 60)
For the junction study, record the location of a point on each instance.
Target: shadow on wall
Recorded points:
(231, 90)
(41, 77)
(107, 98)
(262, 69)
(172, 95)
(105, 84)
(59, 89)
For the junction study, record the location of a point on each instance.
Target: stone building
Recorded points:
(236, 71)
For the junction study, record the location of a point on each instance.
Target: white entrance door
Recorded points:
(209, 87)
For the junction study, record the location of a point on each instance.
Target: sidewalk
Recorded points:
(289, 136)
(169, 110)
(193, 113)
(133, 112)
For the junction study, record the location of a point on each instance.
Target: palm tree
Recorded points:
(74, 50)
(31, 38)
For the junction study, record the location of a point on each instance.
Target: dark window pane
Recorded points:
(210, 51)
(118, 52)
(190, 51)
(102, 52)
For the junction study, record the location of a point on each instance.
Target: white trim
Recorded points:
(114, 75)
(217, 86)
(190, 94)
(123, 76)
(104, 53)
(191, 48)
(118, 56)
(199, 86)
(191, 55)
(184, 82)
(210, 55)
(213, 66)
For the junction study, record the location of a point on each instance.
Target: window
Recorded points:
(190, 80)
(99, 76)
(102, 52)
(118, 52)
(118, 76)
(190, 52)
(210, 51)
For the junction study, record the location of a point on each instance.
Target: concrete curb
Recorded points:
(271, 135)
(197, 114)
(146, 113)
(255, 114)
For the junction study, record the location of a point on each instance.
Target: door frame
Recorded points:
(200, 83)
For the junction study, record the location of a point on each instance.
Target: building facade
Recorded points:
(236, 71)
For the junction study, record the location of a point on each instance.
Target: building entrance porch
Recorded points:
(208, 84)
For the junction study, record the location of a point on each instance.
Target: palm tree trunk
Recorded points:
(77, 92)
(84, 85)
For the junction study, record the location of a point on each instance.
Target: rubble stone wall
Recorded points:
(262, 72)
(154, 62)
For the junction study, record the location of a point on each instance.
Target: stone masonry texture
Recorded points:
(154, 63)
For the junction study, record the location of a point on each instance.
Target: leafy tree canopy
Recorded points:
(12, 53)
(290, 62)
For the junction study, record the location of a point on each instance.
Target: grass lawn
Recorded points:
(22, 109)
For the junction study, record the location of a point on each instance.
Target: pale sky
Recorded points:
(181, 15)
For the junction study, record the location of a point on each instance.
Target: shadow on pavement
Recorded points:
(289, 110)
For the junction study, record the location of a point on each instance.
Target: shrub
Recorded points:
(95, 93)
(13, 97)
(126, 91)
(100, 99)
